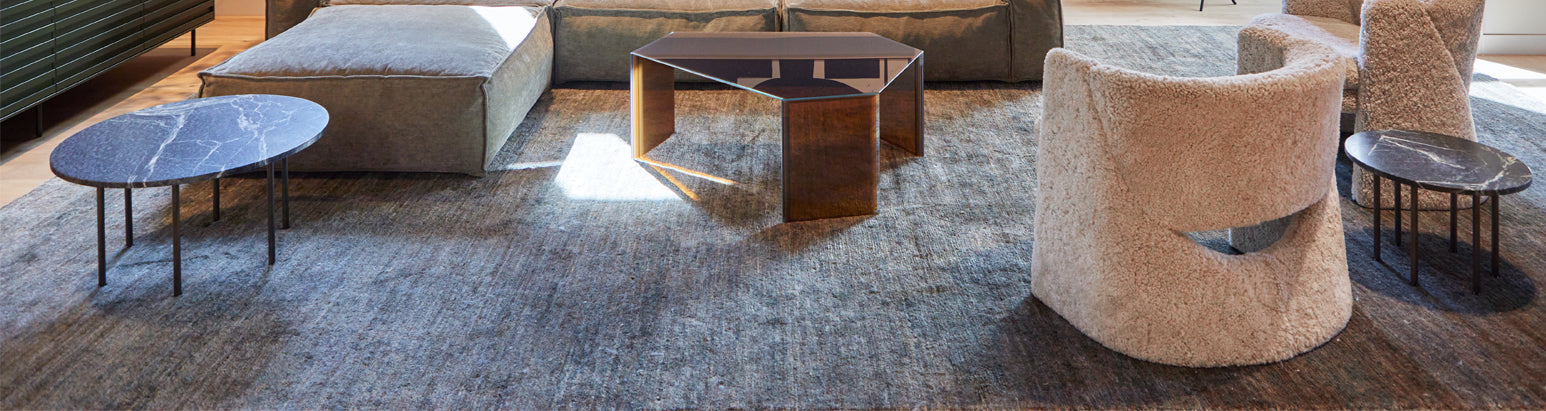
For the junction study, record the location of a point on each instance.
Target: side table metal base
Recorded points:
(1476, 231)
(177, 223)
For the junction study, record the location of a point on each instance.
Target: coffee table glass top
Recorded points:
(1438, 162)
(188, 141)
(787, 65)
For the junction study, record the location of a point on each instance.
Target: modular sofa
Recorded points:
(428, 85)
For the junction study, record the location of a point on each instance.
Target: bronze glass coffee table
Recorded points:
(840, 92)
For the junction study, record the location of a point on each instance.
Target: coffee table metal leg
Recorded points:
(1414, 233)
(901, 110)
(285, 165)
(128, 217)
(1454, 208)
(101, 238)
(1378, 226)
(1494, 216)
(177, 242)
(653, 101)
(829, 164)
(270, 187)
(1396, 196)
(1476, 243)
(216, 188)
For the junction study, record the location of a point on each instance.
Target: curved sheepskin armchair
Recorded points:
(1408, 61)
(1129, 162)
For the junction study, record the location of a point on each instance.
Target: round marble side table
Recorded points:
(1439, 163)
(187, 142)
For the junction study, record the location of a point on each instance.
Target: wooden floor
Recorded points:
(169, 74)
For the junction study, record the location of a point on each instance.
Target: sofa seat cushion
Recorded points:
(595, 37)
(441, 41)
(1341, 36)
(432, 88)
(961, 39)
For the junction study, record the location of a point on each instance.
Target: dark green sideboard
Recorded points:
(48, 46)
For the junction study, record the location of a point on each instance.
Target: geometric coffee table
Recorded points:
(840, 94)
(1441, 163)
(187, 142)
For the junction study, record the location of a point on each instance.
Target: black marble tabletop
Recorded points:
(1438, 162)
(189, 141)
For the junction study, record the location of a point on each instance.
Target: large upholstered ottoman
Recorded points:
(595, 36)
(962, 40)
(422, 88)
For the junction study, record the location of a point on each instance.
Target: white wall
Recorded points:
(1513, 27)
(239, 7)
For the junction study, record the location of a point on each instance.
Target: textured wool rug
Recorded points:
(574, 277)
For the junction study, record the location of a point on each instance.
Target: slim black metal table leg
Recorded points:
(1476, 243)
(1454, 206)
(1494, 199)
(285, 164)
(1378, 226)
(177, 241)
(193, 42)
(270, 187)
(128, 217)
(217, 199)
(1414, 233)
(101, 238)
(1395, 191)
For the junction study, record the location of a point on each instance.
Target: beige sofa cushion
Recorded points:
(595, 37)
(961, 39)
(431, 88)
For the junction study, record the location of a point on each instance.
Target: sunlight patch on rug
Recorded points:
(600, 167)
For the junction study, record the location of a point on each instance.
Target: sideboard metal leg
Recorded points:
(101, 238)
(193, 42)
(177, 241)
(128, 217)
(37, 121)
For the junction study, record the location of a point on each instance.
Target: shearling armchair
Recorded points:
(1129, 162)
(1408, 64)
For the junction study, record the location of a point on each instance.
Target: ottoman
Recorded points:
(595, 36)
(964, 40)
(417, 88)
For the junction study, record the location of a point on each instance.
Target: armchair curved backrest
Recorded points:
(1350, 11)
(1197, 169)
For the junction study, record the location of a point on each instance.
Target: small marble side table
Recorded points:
(188, 142)
(1439, 163)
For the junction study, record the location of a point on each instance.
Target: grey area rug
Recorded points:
(577, 278)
